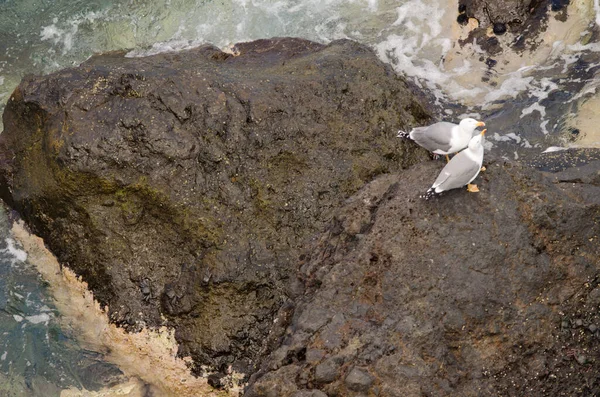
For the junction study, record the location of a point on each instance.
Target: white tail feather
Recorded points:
(403, 134)
(429, 194)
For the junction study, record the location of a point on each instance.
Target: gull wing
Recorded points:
(460, 171)
(434, 137)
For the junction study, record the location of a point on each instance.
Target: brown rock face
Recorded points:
(183, 186)
(487, 294)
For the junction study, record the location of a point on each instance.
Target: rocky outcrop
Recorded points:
(488, 294)
(522, 19)
(262, 205)
(182, 187)
(489, 13)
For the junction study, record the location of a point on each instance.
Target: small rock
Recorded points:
(314, 355)
(327, 371)
(313, 319)
(491, 62)
(581, 359)
(462, 19)
(592, 328)
(492, 42)
(216, 380)
(359, 380)
(499, 28)
(556, 5)
(578, 322)
(462, 8)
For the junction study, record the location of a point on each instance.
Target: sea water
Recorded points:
(530, 100)
(38, 356)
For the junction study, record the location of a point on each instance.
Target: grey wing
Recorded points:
(460, 171)
(434, 137)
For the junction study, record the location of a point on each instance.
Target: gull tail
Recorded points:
(403, 134)
(429, 194)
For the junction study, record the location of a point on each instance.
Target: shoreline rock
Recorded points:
(182, 186)
(491, 293)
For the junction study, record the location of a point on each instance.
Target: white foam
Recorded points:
(554, 149)
(17, 253)
(543, 125)
(64, 36)
(418, 48)
(38, 318)
(579, 47)
(3, 357)
(506, 137)
(534, 107)
(18, 318)
(514, 136)
(164, 47)
(510, 87)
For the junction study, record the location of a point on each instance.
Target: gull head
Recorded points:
(470, 124)
(477, 140)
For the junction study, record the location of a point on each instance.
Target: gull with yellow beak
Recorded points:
(444, 137)
(461, 170)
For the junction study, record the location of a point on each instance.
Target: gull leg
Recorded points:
(447, 159)
(472, 188)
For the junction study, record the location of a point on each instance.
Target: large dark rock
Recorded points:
(488, 294)
(183, 186)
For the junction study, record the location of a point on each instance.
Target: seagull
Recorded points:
(461, 170)
(444, 137)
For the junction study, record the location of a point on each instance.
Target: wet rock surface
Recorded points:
(182, 187)
(490, 13)
(524, 19)
(486, 294)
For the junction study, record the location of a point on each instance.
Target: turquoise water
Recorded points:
(529, 100)
(37, 356)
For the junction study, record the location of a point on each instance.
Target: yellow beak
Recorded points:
(483, 132)
(480, 124)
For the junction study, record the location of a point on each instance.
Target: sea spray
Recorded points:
(148, 358)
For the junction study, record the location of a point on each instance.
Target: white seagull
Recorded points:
(444, 137)
(461, 170)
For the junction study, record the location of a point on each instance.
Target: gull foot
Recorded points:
(483, 169)
(472, 188)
